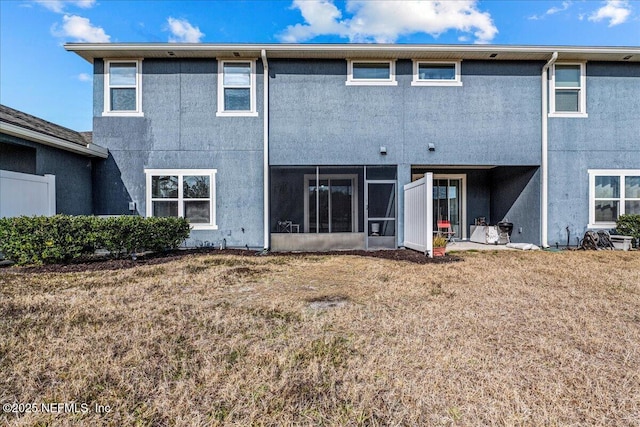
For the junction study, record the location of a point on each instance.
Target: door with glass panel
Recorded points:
(448, 204)
(331, 204)
(381, 214)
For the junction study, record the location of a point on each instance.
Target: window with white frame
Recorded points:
(371, 72)
(237, 88)
(612, 193)
(188, 193)
(436, 73)
(568, 90)
(122, 88)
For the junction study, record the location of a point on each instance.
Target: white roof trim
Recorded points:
(91, 150)
(90, 51)
(75, 47)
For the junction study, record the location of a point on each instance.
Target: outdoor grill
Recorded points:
(506, 227)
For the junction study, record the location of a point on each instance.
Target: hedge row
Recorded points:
(62, 238)
(628, 225)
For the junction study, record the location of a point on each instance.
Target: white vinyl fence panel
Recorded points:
(25, 194)
(418, 215)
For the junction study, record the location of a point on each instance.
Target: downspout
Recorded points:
(265, 131)
(544, 166)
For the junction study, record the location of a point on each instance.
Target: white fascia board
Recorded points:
(90, 150)
(90, 51)
(79, 47)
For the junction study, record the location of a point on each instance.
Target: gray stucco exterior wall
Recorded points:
(72, 171)
(493, 119)
(180, 130)
(609, 138)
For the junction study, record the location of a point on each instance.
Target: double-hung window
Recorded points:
(436, 73)
(237, 88)
(612, 193)
(188, 193)
(122, 87)
(568, 85)
(371, 72)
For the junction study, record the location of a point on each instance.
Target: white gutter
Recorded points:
(265, 131)
(90, 150)
(544, 165)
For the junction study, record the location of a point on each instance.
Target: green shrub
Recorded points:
(629, 225)
(37, 240)
(62, 238)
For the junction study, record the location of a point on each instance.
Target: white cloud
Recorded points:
(383, 21)
(84, 77)
(553, 10)
(183, 32)
(80, 30)
(616, 11)
(59, 5)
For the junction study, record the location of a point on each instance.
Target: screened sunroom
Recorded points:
(333, 207)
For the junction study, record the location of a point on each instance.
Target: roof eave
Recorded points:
(90, 150)
(91, 51)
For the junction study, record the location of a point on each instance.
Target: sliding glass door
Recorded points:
(448, 203)
(331, 204)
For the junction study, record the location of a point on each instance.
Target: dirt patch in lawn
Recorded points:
(102, 264)
(328, 301)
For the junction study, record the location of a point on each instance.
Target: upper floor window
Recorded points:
(436, 73)
(612, 193)
(378, 72)
(188, 193)
(568, 90)
(123, 80)
(237, 88)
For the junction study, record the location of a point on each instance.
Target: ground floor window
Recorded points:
(188, 193)
(612, 193)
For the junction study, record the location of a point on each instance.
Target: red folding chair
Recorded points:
(444, 227)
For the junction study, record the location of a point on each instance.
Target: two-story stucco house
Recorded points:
(311, 146)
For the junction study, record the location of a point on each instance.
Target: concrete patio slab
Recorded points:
(466, 245)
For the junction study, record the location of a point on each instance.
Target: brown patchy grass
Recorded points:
(500, 338)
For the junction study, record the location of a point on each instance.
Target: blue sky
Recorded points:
(39, 77)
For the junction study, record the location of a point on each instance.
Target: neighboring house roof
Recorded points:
(23, 125)
(91, 51)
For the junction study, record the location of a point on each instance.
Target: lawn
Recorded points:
(506, 338)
